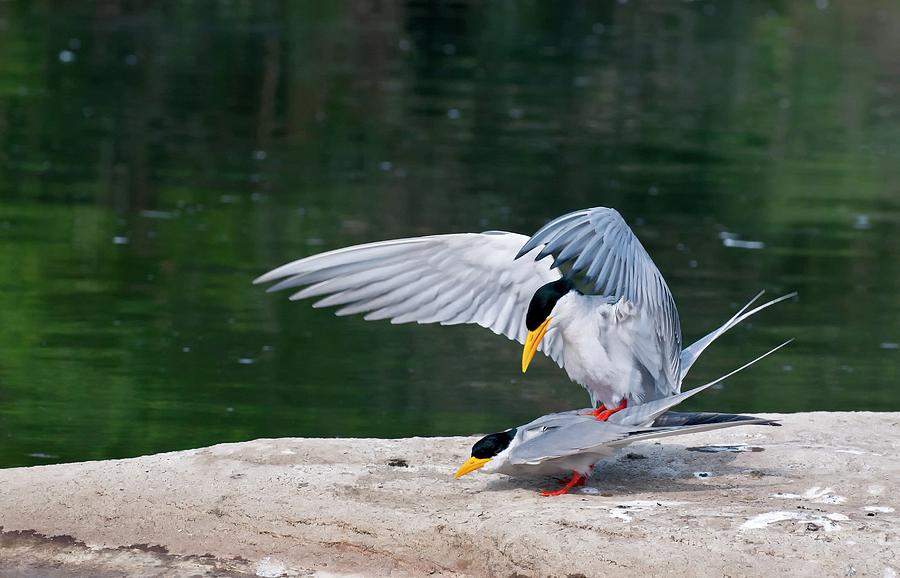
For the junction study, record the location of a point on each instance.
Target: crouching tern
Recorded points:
(571, 442)
(622, 343)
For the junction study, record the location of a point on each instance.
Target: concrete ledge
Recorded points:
(818, 496)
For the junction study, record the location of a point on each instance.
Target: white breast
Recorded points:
(610, 349)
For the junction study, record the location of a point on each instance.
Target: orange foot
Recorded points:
(602, 414)
(577, 480)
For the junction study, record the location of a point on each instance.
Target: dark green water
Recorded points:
(154, 160)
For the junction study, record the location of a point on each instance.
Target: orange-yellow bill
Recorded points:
(471, 465)
(532, 342)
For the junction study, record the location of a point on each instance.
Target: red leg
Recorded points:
(603, 415)
(577, 480)
(599, 410)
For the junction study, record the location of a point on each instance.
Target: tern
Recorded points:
(621, 341)
(573, 441)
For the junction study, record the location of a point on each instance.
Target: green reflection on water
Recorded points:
(154, 161)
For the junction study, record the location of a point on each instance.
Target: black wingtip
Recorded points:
(680, 419)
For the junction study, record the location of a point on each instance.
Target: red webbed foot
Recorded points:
(576, 480)
(602, 414)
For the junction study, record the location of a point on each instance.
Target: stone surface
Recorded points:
(818, 496)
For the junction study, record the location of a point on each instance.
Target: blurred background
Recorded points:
(156, 157)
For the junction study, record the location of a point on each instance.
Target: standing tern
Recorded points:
(573, 441)
(622, 344)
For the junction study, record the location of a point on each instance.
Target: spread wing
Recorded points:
(601, 247)
(446, 279)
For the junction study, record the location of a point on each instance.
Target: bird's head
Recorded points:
(540, 311)
(486, 449)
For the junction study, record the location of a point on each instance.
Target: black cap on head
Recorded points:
(492, 444)
(544, 300)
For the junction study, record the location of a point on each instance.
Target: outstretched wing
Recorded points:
(446, 279)
(601, 247)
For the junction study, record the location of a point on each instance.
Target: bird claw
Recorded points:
(559, 492)
(602, 414)
(576, 480)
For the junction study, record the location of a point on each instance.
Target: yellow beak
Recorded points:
(532, 342)
(470, 466)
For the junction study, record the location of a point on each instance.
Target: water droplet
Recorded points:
(862, 222)
(738, 244)
(120, 240)
(453, 113)
(66, 56)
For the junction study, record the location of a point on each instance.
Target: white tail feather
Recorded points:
(690, 354)
(643, 415)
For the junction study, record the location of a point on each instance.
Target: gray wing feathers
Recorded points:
(601, 247)
(681, 419)
(591, 435)
(579, 434)
(662, 432)
(446, 279)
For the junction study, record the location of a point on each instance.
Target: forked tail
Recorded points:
(644, 414)
(690, 354)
